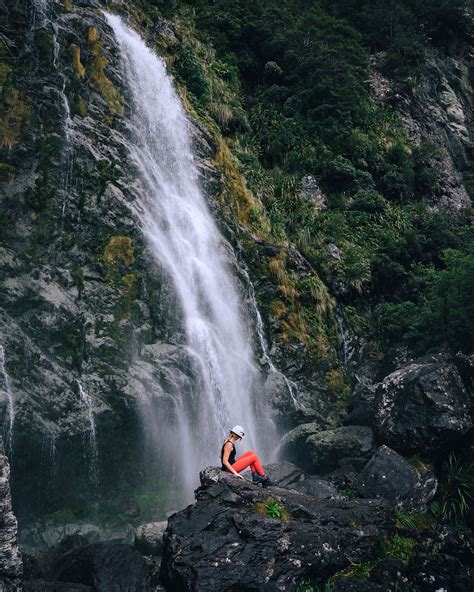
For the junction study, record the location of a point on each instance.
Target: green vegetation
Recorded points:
(106, 88)
(272, 508)
(76, 58)
(14, 114)
(287, 98)
(456, 491)
(119, 251)
(349, 493)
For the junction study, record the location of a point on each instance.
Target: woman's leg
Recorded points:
(245, 454)
(249, 459)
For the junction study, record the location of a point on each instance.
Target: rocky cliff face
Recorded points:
(87, 318)
(11, 568)
(439, 109)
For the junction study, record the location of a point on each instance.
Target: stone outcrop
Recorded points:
(11, 568)
(149, 538)
(438, 109)
(390, 476)
(239, 535)
(320, 451)
(102, 567)
(422, 407)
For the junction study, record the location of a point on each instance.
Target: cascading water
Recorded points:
(10, 406)
(290, 385)
(341, 333)
(186, 244)
(91, 438)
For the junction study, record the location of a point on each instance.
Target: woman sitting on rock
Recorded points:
(248, 459)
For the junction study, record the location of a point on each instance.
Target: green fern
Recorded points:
(457, 491)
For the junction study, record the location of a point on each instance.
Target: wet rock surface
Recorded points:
(240, 536)
(320, 451)
(422, 407)
(228, 539)
(149, 538)
(390, 476)
(11, 567)
(102, 567)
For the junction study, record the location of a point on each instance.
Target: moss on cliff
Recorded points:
(106, 87)
(119, 250)
(76, 59)
(14, 115)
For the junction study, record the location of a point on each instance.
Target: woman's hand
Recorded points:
(239, 476)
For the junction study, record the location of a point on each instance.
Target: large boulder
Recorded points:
(320, 451)
(103, 567)
(292, 445)
(422, 407)
(240, 536)
(284, 473)
(390, 476)
(149, 537)
(325, 450)
(42, 535)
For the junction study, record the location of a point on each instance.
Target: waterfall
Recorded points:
(90, 438)
(187, 246)
(10, 407)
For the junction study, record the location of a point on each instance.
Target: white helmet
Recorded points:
(238, 431)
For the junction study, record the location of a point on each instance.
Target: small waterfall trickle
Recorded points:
(186, 245)
(90, 436)
(67, 153)
(6, 386)
(42, 17)
(342, 337)
(290, 385)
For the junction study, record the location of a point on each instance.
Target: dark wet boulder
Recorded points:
(422, 407)
(149, 538)
(45, 586)
(390, 476)
(316, 487)
(292, 446)
(320, 451)
(444, 560)
(360, 407)
(284, 473)
(325, 450)
(101, 567)
(240, 536)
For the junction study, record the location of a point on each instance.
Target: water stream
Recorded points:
(90, 438)
(6, 387)
(290, 385)
(187, 247)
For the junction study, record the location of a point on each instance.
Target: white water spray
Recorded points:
(91, 437)
(10, 405)
(186, 244)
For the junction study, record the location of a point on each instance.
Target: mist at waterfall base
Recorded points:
(185, 422)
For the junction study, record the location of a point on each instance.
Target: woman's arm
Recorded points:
(225, 459)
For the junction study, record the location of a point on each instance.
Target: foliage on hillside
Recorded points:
(290, 95)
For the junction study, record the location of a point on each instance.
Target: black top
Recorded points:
(231, 455)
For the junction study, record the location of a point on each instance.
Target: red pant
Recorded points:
(249, 459)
